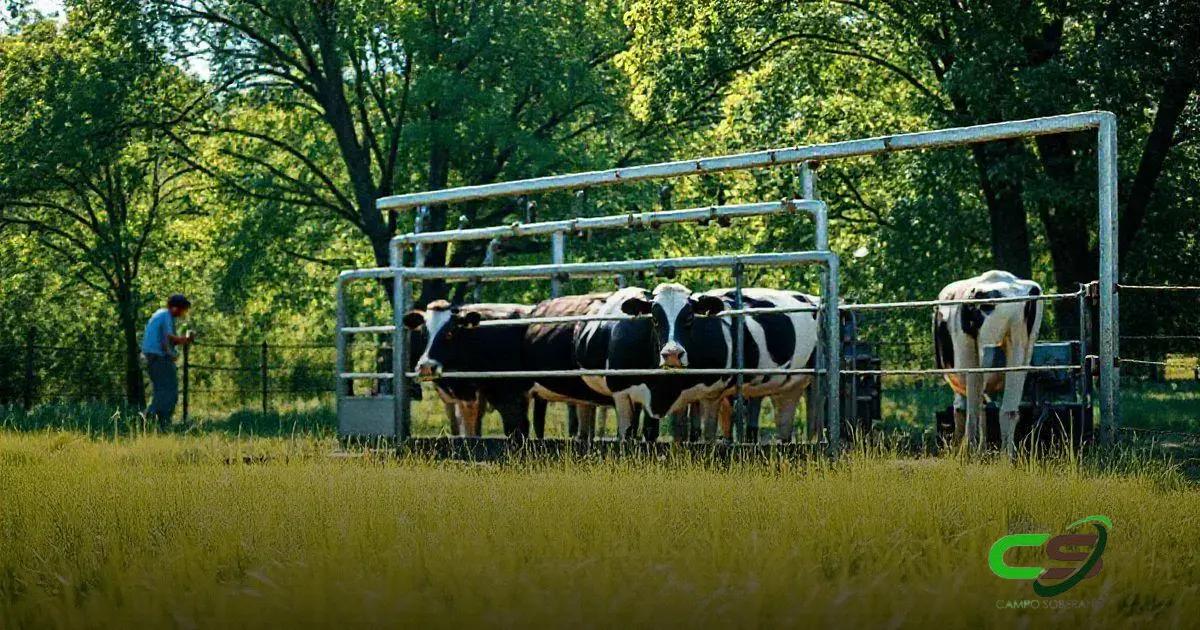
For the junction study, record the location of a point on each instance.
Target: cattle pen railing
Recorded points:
(1102, 123)
(368, 410)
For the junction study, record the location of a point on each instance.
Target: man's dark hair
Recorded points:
(178, 300)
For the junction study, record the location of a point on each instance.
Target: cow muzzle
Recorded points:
(428, 370)
(672, 356)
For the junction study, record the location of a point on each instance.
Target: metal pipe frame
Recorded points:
(1104, 123)
(828, 260)
(772, 157)
(600, 269)
(817, 209)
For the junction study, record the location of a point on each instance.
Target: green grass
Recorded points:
(150, 530)
(261, 520)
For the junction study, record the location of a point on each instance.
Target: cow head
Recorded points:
(445, 327)
(673, 311)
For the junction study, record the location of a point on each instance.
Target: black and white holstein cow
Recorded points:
(684, 330)
(456, 342)
(987, 336)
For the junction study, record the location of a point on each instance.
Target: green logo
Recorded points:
(1083, 550)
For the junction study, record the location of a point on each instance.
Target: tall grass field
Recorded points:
(217, 530)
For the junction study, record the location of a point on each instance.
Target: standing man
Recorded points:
(158, 346)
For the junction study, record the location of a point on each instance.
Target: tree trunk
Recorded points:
(439, 177)
(1001, 185)
(127, 316)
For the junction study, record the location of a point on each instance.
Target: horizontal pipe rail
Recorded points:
(758, 159)
(359, 330)
(617, 221)
(874, 306)
(771, 310)
(941, 372)
(1157, 287)
(659, 372)
(371, 273)
(536, 272)
(654, 372)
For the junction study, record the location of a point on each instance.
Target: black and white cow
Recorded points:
(988, 336)
(552, 347)
(457, 343)
(685, 331)
(629, 344)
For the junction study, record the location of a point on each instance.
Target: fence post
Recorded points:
(263, 369)
(27, 391)
(187, 381)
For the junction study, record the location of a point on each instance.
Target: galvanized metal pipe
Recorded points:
(875, 306)
(339, 336)
(621, 221)
(833, 354)
(558, 256)
(758, 159)
(1110, 373)
(535, 272)
(658, 372)
(402, 297)
(360, 330)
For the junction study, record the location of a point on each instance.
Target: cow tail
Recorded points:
(943, 345)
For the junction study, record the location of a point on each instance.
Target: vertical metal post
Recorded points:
(187, 381)
(816, 389)
(739, 351)
(1110, 372)
(558, 255)
(1085, 331)
(419, 226)
(340, 387)
(401, 298)
(264, 376)
(30, 374)
(833, 354)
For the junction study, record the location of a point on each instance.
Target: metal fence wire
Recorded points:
(213, 377)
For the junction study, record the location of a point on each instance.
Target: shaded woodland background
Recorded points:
(233, 150)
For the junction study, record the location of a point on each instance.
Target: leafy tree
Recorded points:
(346, 101)
(967, 63)
(82, 169)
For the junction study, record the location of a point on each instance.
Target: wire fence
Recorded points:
(217, 377)
(220, 377)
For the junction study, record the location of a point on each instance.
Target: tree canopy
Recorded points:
(236, 148)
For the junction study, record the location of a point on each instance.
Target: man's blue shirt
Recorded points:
(155, 340)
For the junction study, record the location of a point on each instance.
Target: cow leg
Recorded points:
(587, 422)
(470, 415)
(753, 415)
(815, 409)
(650, 427)
(1020, 353)
(785, 413)
(960, 418)
(625, 411)
(966, 356)
(454, 416)
(708, 418)
(539, 418)
(725, 418)
(515, 415)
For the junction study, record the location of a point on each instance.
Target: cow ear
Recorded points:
(470, 319)
(709, 305)
(413, 320)
(636, 306)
